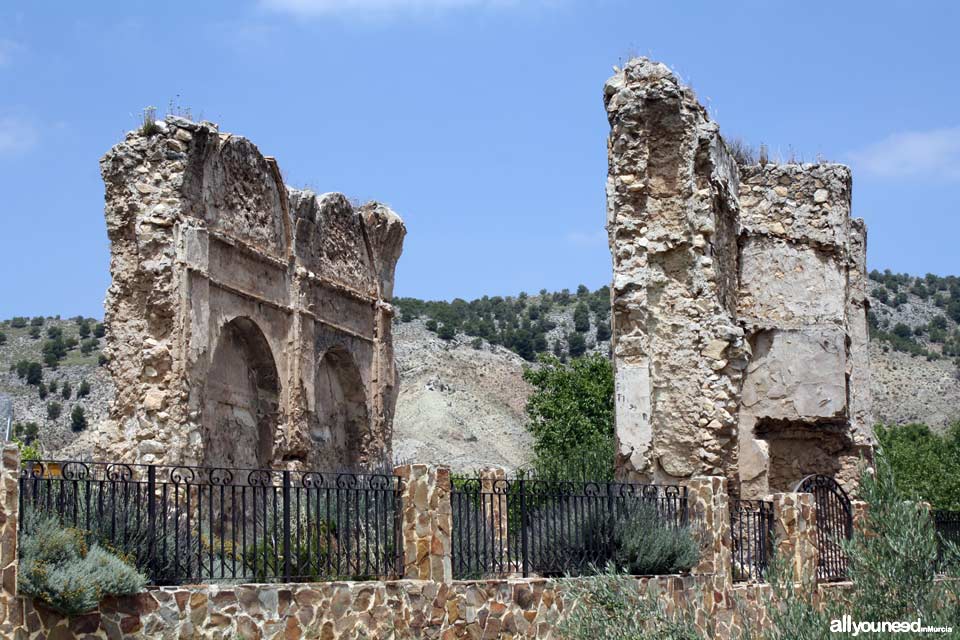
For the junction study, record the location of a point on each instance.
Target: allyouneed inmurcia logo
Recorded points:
(846, 624)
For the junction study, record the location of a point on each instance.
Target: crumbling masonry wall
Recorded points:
(248, 323)
(739, 307)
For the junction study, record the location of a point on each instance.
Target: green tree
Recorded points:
(581, 317)
(34, 333)
(53, 410)
(67, 390)
(603, 331)
(42, 391)
(3, 338)
(576, 345)
(84, 329)
(431, 325)
(78, 419)
(84, 389)
(571, 414)
(54, 332)
(99, 331)
(26, 431)
(926, 465)
(37, 321)
(902, 331)
(88, 346)
(18, 322)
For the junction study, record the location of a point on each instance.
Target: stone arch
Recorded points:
(241, 399)
(342, 425)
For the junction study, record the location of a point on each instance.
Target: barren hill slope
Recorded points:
(462, 400)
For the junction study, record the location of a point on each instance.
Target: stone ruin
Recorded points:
(248, 323)
(739, 301)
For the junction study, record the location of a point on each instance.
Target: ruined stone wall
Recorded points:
(739, 308)
(248, 324)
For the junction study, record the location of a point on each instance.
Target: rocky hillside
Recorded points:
(462, 392)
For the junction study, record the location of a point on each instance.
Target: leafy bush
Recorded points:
(84, 389)
(446, 332)
(66, 391)
(89, 345)
(59, 568)
(3, 338)
(53, 410)
(42, 391)
(18, 322)
(83, 329)
(99, 331)
(34, 333)
(36, 321)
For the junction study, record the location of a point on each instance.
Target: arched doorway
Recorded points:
(342, 419)
(834, 524)
(241, 399)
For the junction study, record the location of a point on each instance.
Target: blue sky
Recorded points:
(479, 121)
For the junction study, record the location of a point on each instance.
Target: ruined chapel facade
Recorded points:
(249, 324)
(739, 301)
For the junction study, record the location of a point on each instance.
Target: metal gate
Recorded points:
(834, 524)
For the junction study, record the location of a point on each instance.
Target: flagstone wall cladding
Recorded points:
(436, 608)
(739, 302)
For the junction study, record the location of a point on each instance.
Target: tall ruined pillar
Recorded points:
(806, 406)
(672, 223)
(739, 301)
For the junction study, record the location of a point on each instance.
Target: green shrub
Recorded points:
(88, 346)
(102, 360)
(446, 332)
(3, 338)
(84, 389)
(613, 607)
(646, 545)
(36, 321)
(78, 419)
(99, 331)
(926, 465)
(26, 431)
(53, 410)
(33, 373)
(83, 329)
(59, 568)
(42, 391)
(18, 322)
(34, 333)
(67, 390)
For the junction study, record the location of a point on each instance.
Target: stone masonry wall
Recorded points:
(248, 324)
(739, 304)
(434, 607)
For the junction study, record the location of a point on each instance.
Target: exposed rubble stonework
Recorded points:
(739, 301)
(248, 323)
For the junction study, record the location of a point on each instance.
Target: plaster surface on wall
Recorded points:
(248, 323)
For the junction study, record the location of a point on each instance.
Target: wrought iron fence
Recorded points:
(193, 524)
(547, 527)
(947, 525)
(751, 525)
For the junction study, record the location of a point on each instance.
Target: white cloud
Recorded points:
(312, 8)
(16, 135)
(588, 239)
(932, 154)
